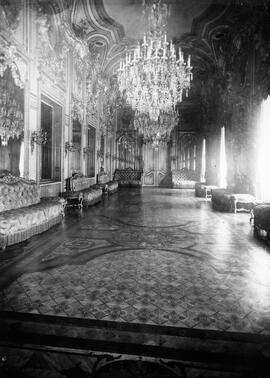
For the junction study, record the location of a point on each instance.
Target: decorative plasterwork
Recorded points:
(95, 86)
(9, 57)
(57, 38)
(51, 55)
(79, 72)
(102, 33)
(112, 101)
(187, 139)
(77, 110)
(198, 42)
(10, 15)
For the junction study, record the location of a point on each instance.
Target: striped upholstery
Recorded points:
(22, 213)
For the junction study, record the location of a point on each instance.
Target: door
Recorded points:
(155, 169)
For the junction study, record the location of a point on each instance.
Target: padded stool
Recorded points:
(204, 190)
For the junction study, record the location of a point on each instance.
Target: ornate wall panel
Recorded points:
(149, 178)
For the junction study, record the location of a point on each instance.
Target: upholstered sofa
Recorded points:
(230, 200)
(203, 189)
(184, 179)
(107, 185)
(79, 186)
(22, 212)
(128, 177)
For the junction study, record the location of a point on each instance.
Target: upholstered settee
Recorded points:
(22, 212)
(203, 189)
(107, 185)
(79, 186)
(230, 200)
(261, 219)
(184, 179)
(128, 177)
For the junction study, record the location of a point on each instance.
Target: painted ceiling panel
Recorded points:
(129, 14)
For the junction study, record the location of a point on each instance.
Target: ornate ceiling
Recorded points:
(112, 26)
(129, 14)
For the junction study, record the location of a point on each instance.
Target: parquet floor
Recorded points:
(150, 256)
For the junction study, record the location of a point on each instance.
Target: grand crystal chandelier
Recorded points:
(154, 76)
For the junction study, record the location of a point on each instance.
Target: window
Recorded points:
(188, 159)
(194, 157)
(181, 161)
(51, 123)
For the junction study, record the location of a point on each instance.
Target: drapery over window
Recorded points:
(203, 164)
(263, 153)
(222, 161)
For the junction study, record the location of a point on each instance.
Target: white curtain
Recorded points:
(203, 164)
(21, 163)
(263, 153)
(222, 161)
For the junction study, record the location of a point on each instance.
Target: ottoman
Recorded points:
(242, 202)
(227, 200)
(204, 190)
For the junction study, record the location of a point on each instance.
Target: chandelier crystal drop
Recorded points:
(154, 76)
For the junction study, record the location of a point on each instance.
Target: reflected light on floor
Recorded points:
(259, 280)
(223, 235)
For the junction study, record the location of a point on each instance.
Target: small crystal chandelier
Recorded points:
(125, 142)
(154, 76)
(11, 112)
(157, 140)
(155, 132)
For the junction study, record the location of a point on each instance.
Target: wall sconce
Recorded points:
(99, 154)
(39, 137)
(71, 147)
(86, 151)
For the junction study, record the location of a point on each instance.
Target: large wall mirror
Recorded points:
(51, 124)
(76, 142)
(91, 147)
